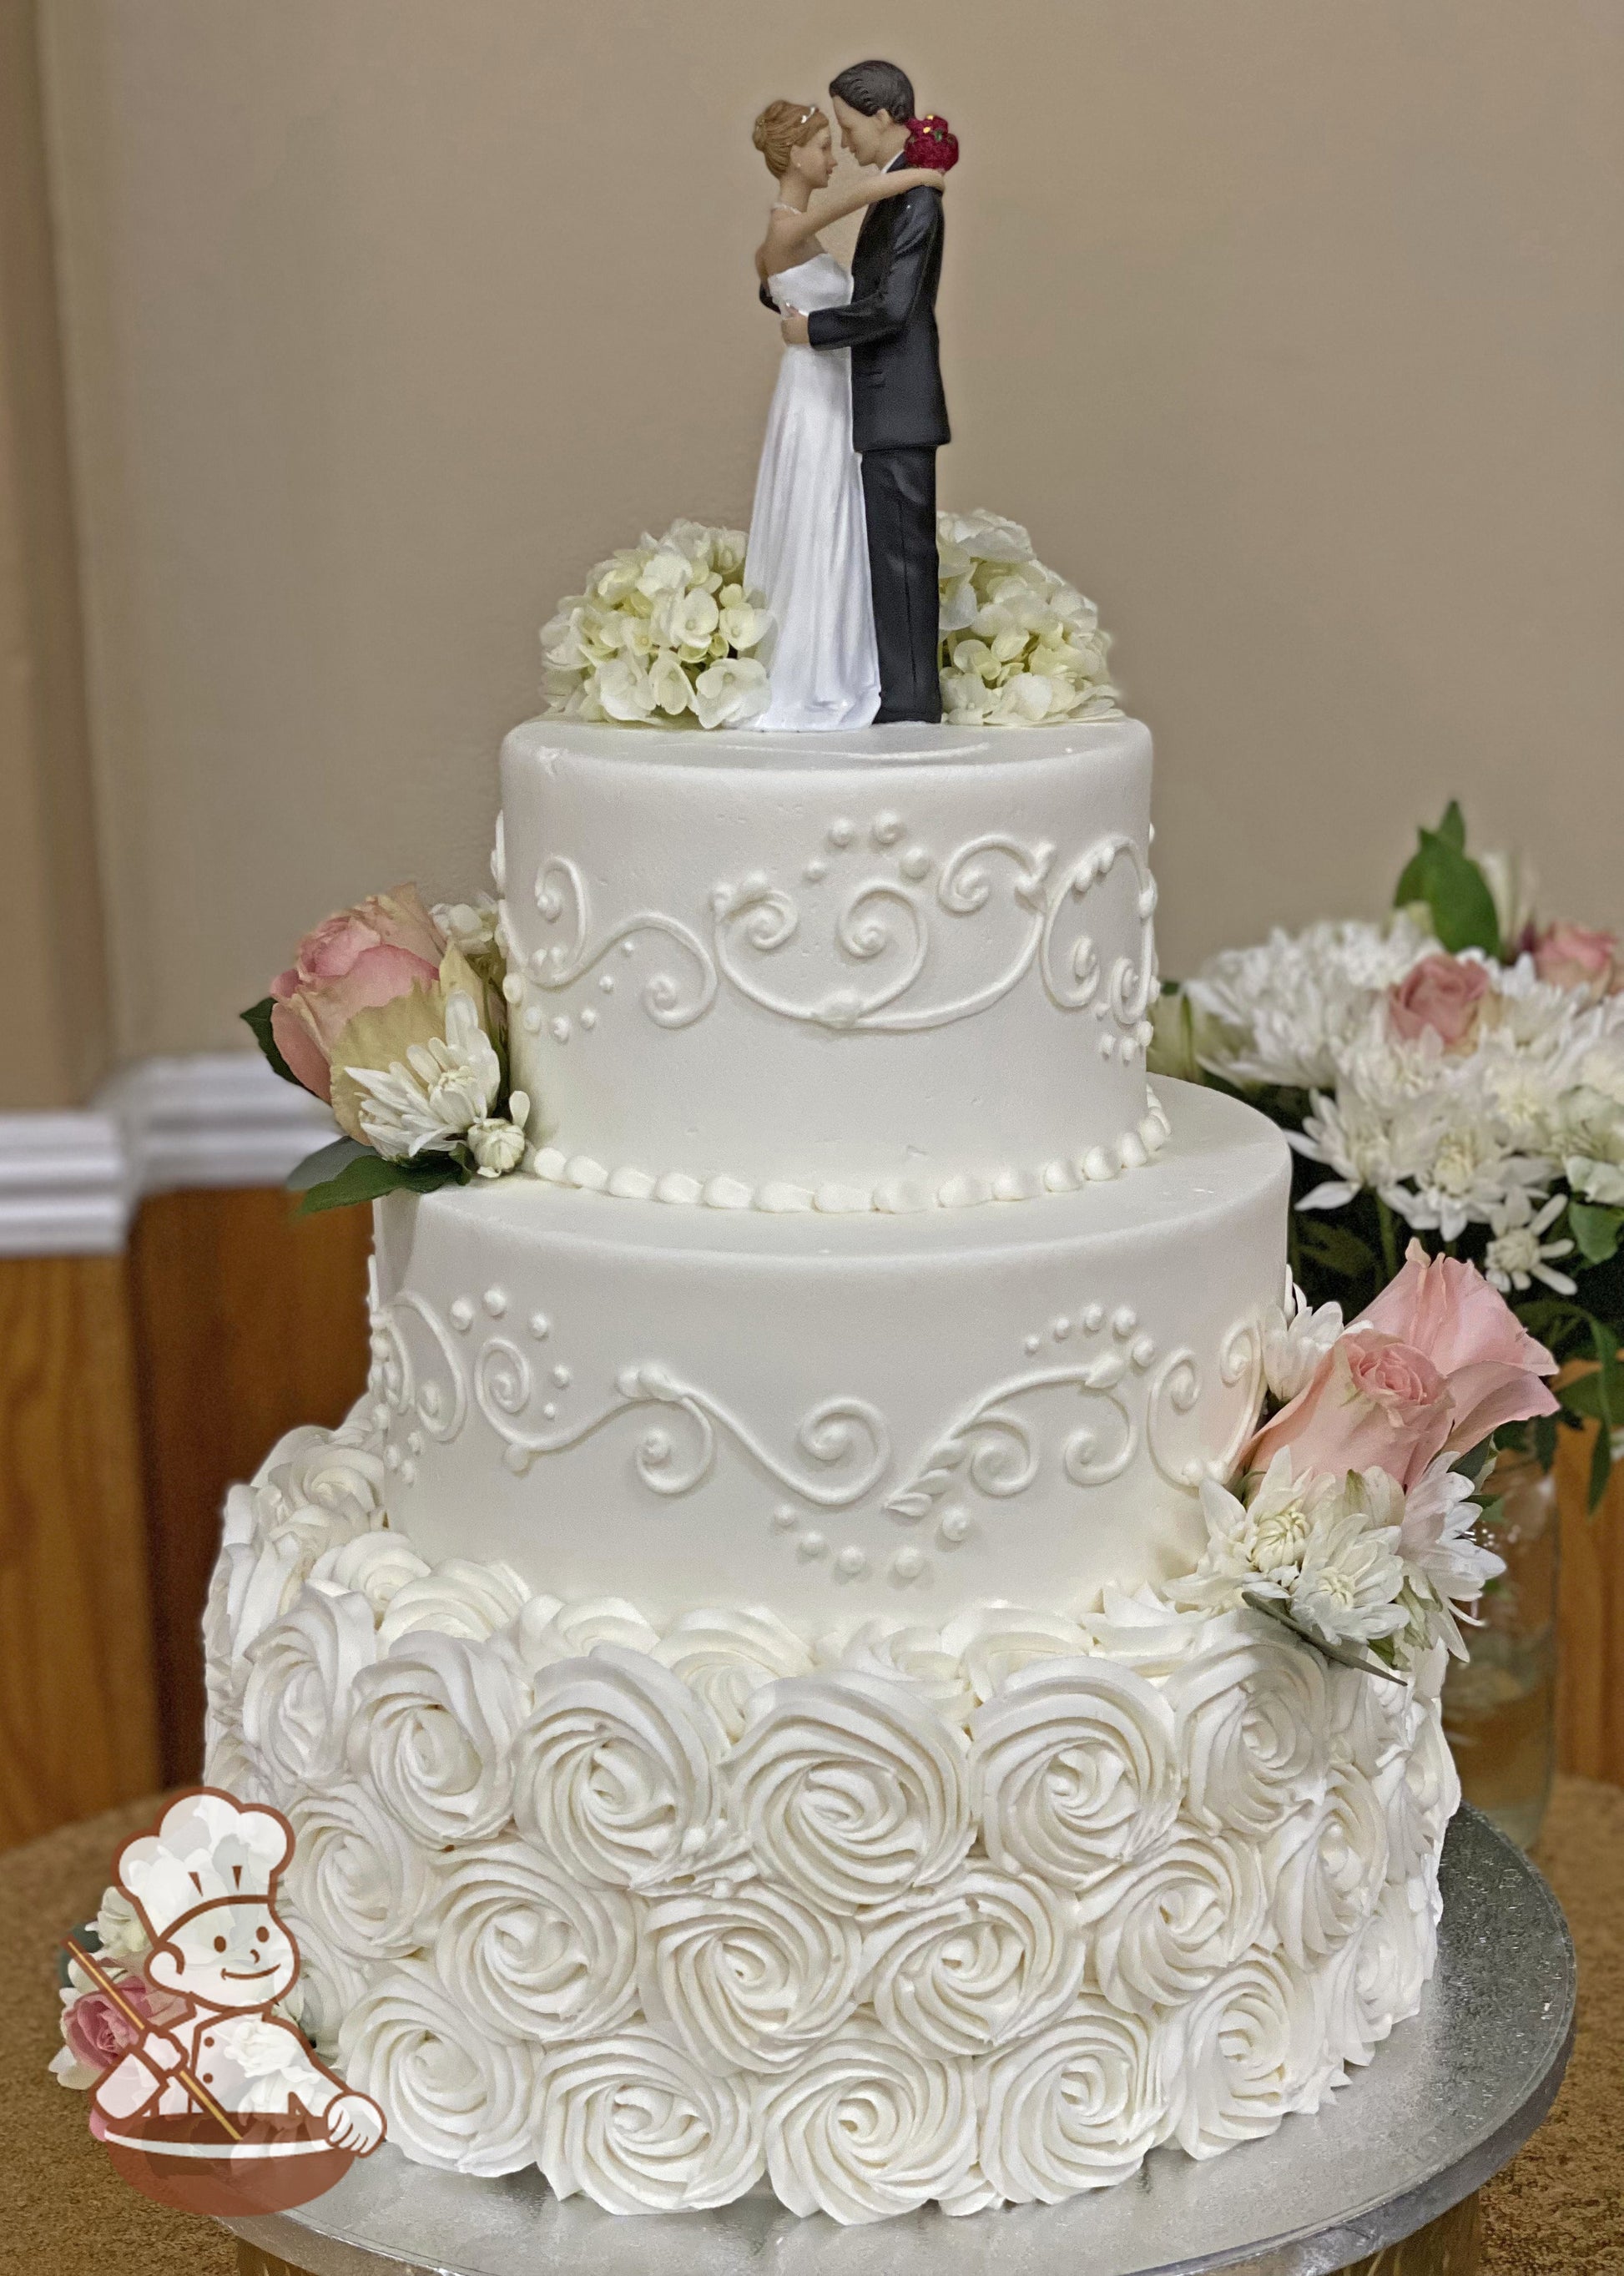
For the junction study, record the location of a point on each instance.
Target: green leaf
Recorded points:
(325, 1163)
(1582, 1397)
(1544, 1440)
(1334, 1248)
(1441, 873)
(368, 1177)
(1595, 1230)
(1346, 1655)
(257, 1020)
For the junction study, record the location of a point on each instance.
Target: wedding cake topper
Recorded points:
(843, 538)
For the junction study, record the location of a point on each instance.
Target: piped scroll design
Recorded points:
(1073, 982)
(884, 926)
(843, 1447)
(846, 1436)
(1176, 1389)
(672, 999)
(438, 1401)
(996, 1450)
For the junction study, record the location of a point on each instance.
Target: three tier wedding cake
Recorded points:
(770, 1684)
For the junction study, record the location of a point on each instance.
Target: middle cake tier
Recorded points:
(827, 1415)
(892, 969)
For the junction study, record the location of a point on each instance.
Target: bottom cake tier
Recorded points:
(894, 1915)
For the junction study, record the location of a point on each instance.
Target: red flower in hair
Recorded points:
(930, 143)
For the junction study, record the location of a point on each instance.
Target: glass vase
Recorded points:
(1499, 1708)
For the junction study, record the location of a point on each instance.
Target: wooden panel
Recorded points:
(1590, 1620)
(77, 1726)
(248, 1320)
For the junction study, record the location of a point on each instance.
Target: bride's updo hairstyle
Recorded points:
(783, 128)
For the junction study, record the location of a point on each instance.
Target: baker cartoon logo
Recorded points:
(211, 2101)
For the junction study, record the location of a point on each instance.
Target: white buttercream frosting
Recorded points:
(896, 1914)
(1074, 1770)
(638, 2126)
(850, 1789)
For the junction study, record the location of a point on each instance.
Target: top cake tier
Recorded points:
(896, 968)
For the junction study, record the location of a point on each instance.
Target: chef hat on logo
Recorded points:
(206, 1848)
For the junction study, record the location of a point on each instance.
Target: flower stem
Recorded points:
(1389, 1238)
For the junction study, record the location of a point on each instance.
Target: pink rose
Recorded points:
(1434, 1364)
(1571, 956)
(96, 2033)
(1442, 993)
(356, 961)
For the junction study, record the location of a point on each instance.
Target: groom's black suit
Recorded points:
(898, 422)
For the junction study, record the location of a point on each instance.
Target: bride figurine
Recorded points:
(808, 550)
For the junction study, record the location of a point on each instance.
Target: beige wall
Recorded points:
(1293, 330)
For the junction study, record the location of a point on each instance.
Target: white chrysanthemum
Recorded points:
(748, 1980)
(1075, 1771)
(635, 2124)
(1296, 1338)
(1077, 2105)
(1283, 1012)
(1517, 1255)
(529, 1952)
(990, 1958)
(1263, 1538)
(1437, 1541)
(120, 1931)
(428, 1101)
(862, 2129)
(497, 1142)
(1345, 1589)
(455, 2096)
(470, 926)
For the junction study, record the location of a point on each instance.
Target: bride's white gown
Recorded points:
(809, 548)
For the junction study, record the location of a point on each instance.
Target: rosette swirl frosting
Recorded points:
(335, 1471)
(847, 1791)
(638, 2126)
(377, 1565)
(992, 1957)
(433, 1728)
(1419, 1791)
(459, 1598)
(862, 2129)
(358, 1874)
(454, 2095)
(900, 1652)
(749, 1980)
(1248, 2053)
(1253, 1733)
(1165, 1925)
(726, 1656)
(329, 1983)
(296, 1705)
(994, 1640)
(1074, 1771)
(1077, 2106)
(547, 1631)
(528, 1951)
(1326, 1868)
(615, 1776)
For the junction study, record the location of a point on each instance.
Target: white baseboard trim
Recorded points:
(69, 1182)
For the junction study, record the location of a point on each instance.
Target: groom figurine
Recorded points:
(899, 410)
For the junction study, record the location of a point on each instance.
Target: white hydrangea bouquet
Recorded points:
(664, 635)
(1456, 1072)
(667, 634)
(1019, 645)
(394, 1015)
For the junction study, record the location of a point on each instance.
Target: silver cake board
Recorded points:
(1396, 2155)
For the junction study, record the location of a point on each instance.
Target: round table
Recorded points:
(1559, 2205)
